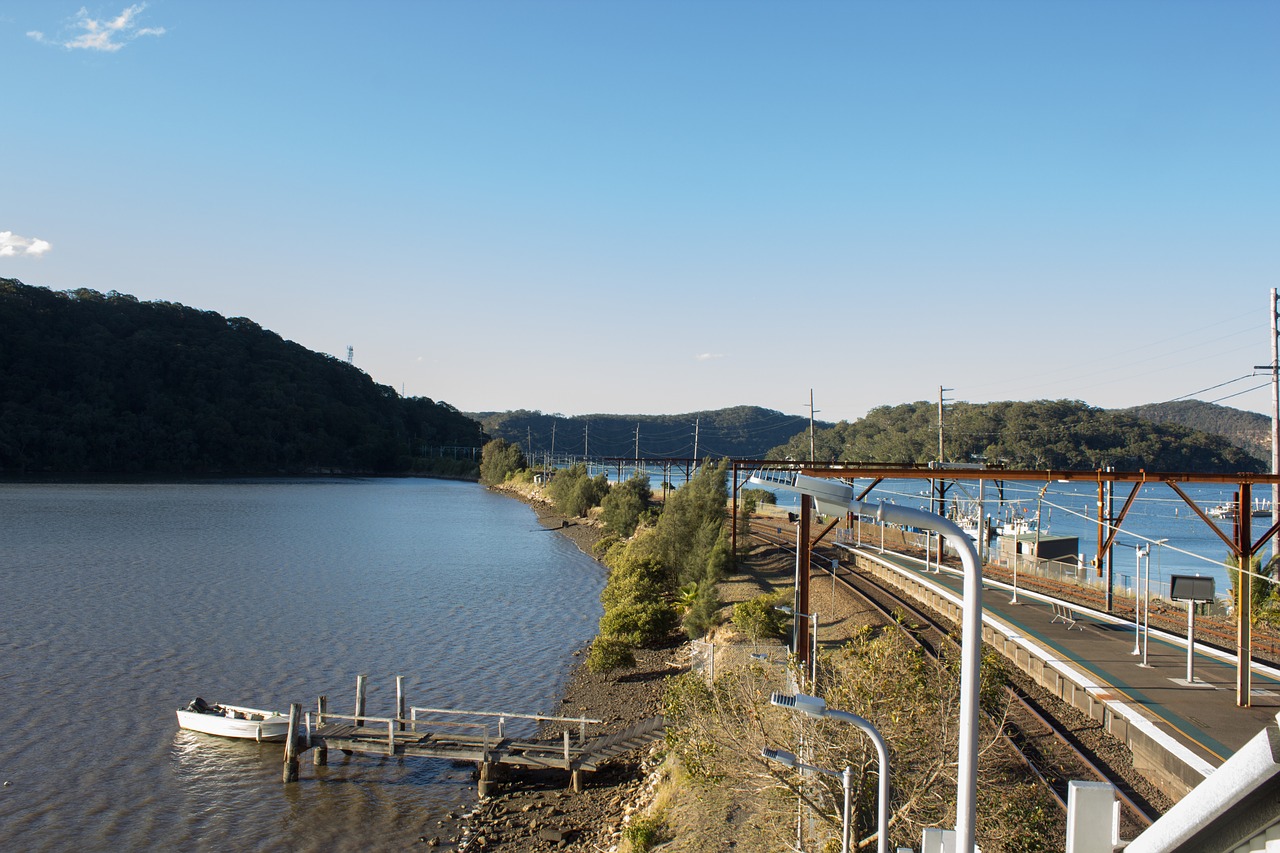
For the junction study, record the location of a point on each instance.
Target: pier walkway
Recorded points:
(435, 733)
(1178, 732)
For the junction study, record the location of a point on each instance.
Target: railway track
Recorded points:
(1051, 751)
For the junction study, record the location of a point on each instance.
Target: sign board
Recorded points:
(1190, 588)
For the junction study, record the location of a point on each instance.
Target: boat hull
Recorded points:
(268, 726)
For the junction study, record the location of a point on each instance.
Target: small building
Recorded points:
(1043, 547)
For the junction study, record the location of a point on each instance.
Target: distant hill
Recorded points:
(94, 383)
(1249, 431)
(745, 432)
(1063, 434)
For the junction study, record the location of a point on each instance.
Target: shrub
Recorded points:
(601, 548)
(574, 492)
(609, 653)
(625, 504)
(639, 622)
(758, 619)
(643, 833)
(702, 614)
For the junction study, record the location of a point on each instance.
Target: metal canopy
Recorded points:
(1242, 545)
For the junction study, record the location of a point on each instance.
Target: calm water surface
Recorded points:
(120, 603)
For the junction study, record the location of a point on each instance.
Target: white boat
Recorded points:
(1227, 511)
(233, 721)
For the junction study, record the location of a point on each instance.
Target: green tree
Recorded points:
(637, 608)
(625, 503)
(500, 459)
(574, 492)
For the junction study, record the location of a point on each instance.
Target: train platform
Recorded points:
(1195, 724)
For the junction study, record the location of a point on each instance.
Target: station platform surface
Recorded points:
(1202, 716)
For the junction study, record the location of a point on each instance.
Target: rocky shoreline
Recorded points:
(536, 810)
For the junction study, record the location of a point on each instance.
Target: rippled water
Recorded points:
(120, 603)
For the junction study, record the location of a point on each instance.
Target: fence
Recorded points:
(708, 658)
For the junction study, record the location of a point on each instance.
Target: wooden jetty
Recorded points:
(425, 733)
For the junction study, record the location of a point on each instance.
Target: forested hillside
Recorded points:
(1064, 434)
(1249, 431)
(742, 431)
(94, 383)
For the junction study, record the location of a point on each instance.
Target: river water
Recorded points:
(120, 603)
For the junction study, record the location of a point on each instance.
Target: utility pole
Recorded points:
(941, 400)
(553, 442)
(938, 488)
(586, 425)
(812, 410)
(1274, 369)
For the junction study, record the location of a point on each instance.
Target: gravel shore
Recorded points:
(535, 810)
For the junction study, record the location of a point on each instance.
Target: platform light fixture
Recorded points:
(816, 707)
(788, 759)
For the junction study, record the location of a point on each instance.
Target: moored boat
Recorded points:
(234, 721)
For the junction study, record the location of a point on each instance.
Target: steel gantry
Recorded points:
(1242, 545)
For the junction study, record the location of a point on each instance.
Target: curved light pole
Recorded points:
(970, 656)
(788, 759)
(814, 706)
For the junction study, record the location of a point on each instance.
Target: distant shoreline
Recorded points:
(158, 479)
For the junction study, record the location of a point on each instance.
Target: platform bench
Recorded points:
(1065, 613)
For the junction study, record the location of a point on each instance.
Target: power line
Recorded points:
(1238, 393)
(1212, 387)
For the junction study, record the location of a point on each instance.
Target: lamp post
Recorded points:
(1138, 553)
(1145, 600)
(970, 656)
(787, 759)
(813, 655)
(814, 706)
(1146, 607)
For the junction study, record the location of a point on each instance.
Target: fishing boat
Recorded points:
(234, 721)
(1261, 509)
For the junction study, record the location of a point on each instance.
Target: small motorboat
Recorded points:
(233, 721)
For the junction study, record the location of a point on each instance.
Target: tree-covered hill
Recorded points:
(94, 383)
(741, 432)
(1063, 434)
(1249, 431)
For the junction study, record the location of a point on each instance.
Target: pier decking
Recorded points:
(426, 734)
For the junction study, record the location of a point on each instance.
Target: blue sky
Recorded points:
(661, 207)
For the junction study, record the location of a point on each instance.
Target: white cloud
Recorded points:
(708, 356)
(104, 35)
(12, 244)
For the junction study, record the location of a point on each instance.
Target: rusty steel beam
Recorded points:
(824, 532)
(896, 471)
(862, 494)
(1119, 519)
(1244, 598)
(1231, 545)
(1262, 540)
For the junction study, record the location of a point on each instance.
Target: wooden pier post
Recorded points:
(361, 681)
(488, 779)
(400, 702)
(321, 756)
(291, 744)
